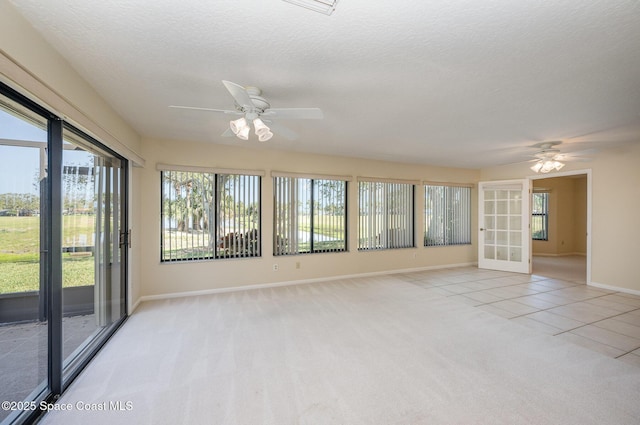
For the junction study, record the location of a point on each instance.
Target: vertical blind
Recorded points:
(385, 215)
(208, 215)
(447, 212)
(309, 215)
(540, 216)
(237, 216)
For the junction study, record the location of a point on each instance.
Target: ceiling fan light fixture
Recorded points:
(260, 127)
(265, 136)
(238, 125)
(537, 166)
(546, 166)
(243, 133)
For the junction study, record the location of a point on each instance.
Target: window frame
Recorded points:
(448, 214)
(403, 237)
(230, 242)
(286, 191)
(544, 215)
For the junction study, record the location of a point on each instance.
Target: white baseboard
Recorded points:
(614, 288)
(134, 306)
(290, 282)
(566, 254)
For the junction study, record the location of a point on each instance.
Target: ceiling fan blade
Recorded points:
(239, 93)
(281, 130)
(224, 111)
(294, 113)
(582, 152)
(227, 133)
(571, 157)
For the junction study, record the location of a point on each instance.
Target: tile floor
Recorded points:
(597, 319)
(23, 354)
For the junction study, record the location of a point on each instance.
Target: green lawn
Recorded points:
(20, 253)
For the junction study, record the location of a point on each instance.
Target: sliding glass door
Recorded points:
(92, 222)
(63, 250)
(23, 316)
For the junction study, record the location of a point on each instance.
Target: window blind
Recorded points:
(447, 212)
(386, 215)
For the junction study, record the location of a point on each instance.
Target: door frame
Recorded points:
(580, 172)
(524, 265)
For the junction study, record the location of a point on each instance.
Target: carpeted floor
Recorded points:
(378, 350)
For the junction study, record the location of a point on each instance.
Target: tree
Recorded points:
(19, 203)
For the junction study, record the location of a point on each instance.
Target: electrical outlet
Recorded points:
(275, 267)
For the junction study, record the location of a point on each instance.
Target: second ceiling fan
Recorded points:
(255, 110)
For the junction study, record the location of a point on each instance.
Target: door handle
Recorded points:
(481, 229)
(125, 238)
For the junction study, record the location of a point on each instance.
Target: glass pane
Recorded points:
(489, 222)
(489, 207)
(386, 215)
(503, 207)
(329, 215)
(502, 194)
(23, 325)
(93, 297)
(238, 211)
(516, 254)
(489, 194)
(490, 237)
(515, 238)
(489, 252)
(515, 206)
(502, 253)
(502, 238)
(539, 218)
(502, 223)
(515, 222)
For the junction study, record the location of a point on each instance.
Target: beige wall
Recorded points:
(24, 46)
(615, 195)
(28, 64)
(567, 216)
(166, 278)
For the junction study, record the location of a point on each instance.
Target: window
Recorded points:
(309, 215)
(447, 215)
(540, 216)
(386, 215)
(209, 216)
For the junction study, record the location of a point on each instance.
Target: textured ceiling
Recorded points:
(464, 83)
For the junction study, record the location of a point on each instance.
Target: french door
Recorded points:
(504, 242)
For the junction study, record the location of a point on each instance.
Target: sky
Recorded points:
(19, 166)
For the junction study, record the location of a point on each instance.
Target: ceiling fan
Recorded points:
(255, 109)
(549, 157)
